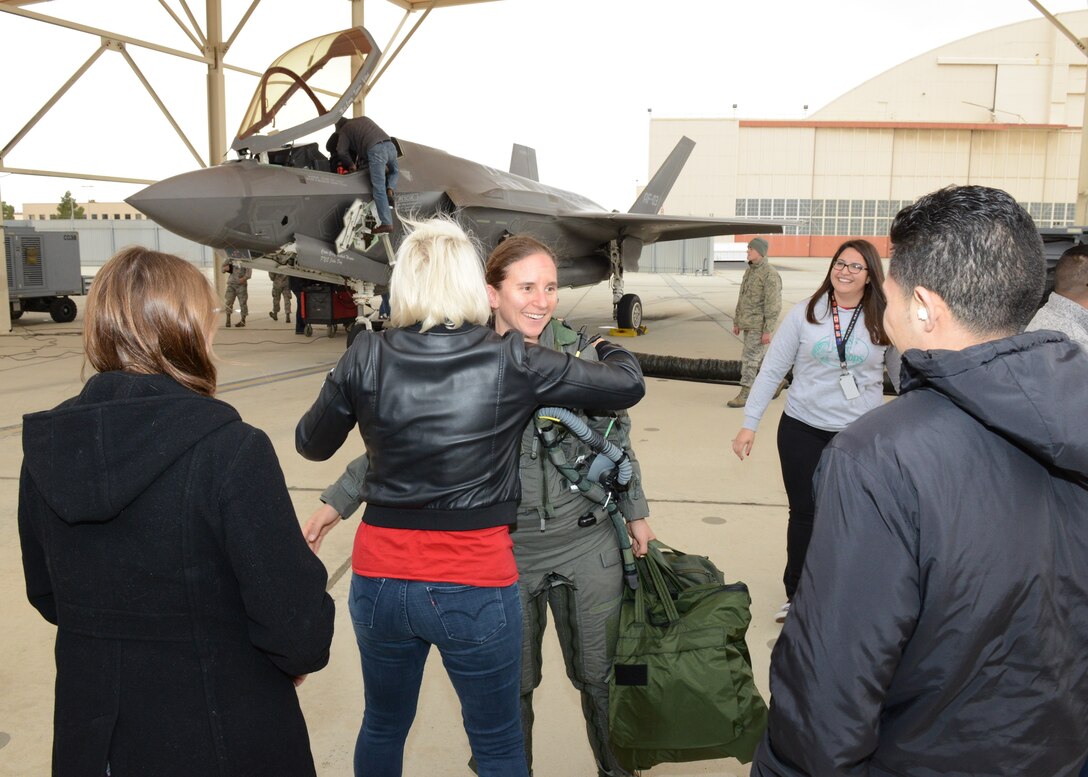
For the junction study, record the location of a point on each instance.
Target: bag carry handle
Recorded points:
(650, 572)
(678, 583)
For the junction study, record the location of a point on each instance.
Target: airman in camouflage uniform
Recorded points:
(280, 288)
(758, 306)
(237, 288)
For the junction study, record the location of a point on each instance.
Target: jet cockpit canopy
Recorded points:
(289, 89)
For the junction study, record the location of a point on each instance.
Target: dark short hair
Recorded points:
(512, 249)
(1071, 273)
(151, 313)
(976, 248)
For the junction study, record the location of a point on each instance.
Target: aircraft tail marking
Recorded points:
(523, 162)
(653, 196)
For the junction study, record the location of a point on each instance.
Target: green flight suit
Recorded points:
(572, 570)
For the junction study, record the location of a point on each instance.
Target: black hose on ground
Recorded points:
(706, 370)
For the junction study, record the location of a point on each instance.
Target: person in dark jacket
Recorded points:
(361, 140)
(941, 623)
(296, 285)
(158, 535)
(441, 401)
(566, 548)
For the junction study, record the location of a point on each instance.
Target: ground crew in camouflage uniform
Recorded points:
(758, 306)
(280, 288)
(237, 288)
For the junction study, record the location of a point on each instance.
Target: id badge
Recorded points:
(849, 386)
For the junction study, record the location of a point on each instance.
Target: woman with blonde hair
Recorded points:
(441, 401)
(159, 536)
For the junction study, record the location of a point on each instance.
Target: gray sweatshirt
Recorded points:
(815, 396)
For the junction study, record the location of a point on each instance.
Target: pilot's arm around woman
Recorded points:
(441, 401)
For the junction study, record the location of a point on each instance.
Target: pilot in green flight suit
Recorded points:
(574, 570)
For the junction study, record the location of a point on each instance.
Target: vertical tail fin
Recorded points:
(523, 162)
(653, 196)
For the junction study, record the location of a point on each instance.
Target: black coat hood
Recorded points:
(1018, 387)
(91, 456)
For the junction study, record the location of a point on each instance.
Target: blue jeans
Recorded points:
(478, 633)
(382, 159)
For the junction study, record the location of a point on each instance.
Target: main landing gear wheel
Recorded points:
(62, 310)
(629, 312)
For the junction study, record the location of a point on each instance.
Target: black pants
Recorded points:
(300, 322)
(799, 449)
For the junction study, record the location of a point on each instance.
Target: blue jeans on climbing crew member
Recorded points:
(382, 160)
(478, 633)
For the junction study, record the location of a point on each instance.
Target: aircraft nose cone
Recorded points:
(199, 205)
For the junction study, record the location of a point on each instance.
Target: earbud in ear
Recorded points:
(923, 314)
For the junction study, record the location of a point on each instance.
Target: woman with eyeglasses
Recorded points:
(838, 350)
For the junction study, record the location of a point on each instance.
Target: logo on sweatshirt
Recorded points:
(825, 352)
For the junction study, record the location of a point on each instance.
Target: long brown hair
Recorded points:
(873, 300)
(151, 313)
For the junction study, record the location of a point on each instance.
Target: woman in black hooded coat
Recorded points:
(158, 535)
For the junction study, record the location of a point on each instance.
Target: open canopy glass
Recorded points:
(293, 87)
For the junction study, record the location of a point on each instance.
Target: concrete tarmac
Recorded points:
(702, 500)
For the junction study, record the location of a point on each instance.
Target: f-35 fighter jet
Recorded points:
(283, 205)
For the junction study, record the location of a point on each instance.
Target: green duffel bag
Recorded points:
(682, 687)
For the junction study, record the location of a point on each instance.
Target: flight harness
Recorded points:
(609, 474)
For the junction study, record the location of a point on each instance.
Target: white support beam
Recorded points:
(193, 21)
(158, 102)
(101, 33)
(184, 27)
(68, 174)
(358, 11)
(5, 300)
(241, 25)
(52, 101)
(385, 65)
(217, 109)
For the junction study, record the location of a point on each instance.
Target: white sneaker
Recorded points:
(783, 611)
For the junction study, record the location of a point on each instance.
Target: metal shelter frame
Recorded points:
(212, 48)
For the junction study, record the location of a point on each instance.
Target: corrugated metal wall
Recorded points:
(99, 240)
(679, 256)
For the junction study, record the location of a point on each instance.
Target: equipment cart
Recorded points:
(43, 270)
(323, 303)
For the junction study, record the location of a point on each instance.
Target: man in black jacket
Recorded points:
(941, 622)
(360, 140)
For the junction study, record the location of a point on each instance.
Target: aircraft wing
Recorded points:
(650, 228)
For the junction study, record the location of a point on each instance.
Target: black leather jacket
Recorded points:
(441, 413)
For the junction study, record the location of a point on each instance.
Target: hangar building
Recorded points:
(1002, 108)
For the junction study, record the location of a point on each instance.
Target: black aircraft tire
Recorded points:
(63, 310)
(629, 312)
(16, 314)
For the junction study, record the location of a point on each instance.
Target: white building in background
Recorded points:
(92, 211)
(1002, 108)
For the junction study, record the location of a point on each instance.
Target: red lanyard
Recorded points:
(840, 341)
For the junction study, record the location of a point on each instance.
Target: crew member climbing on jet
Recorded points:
(360, 138)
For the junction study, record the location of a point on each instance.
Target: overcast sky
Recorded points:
(573, 78)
